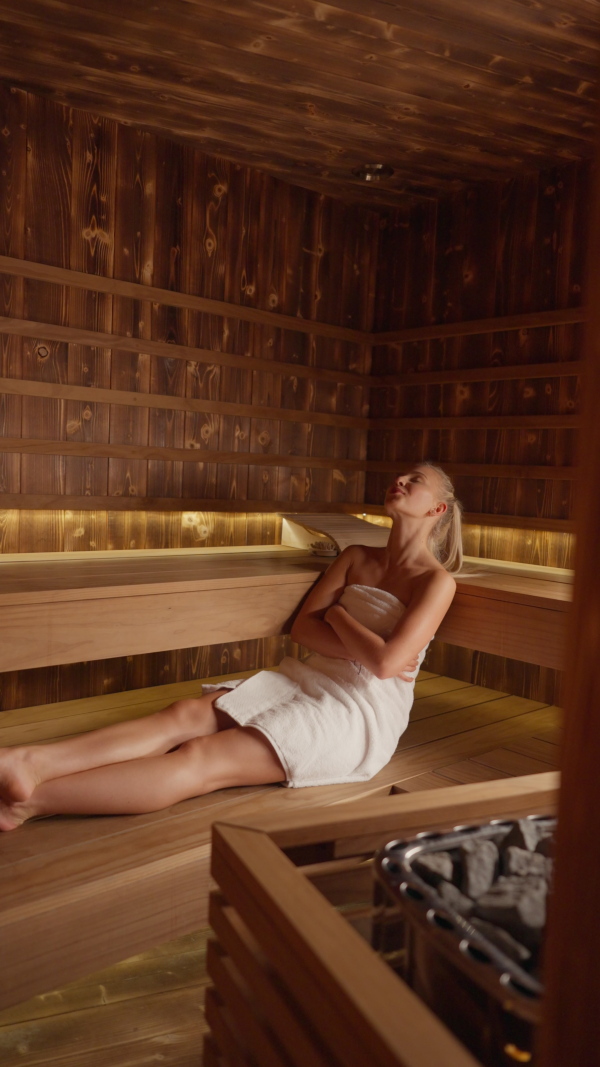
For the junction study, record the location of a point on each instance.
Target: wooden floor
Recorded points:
(148, 1010)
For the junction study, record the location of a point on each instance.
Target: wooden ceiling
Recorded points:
(445, 91)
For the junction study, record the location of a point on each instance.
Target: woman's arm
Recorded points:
(309, 627)
(387, 659)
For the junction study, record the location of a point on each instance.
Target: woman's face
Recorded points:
(415, 493)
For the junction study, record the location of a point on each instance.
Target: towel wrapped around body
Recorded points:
(329, 720)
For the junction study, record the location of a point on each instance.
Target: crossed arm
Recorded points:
(324, 626)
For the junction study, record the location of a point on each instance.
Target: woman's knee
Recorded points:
(189, 711)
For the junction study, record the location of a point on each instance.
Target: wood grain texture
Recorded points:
(49, 447)
(106, 902)
(512, 250)
(13, 170)
(22, 502)
(442, 94)
(169, 277)
(158, 603)
(570, 1020)
(16, 387)
(499, 372)
(504, 272)
(526, 321)
(37, 270)
(281, 915)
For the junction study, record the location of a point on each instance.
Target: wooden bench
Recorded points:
(81, 893)
(514, 610)
(73, 607)
(78, 894)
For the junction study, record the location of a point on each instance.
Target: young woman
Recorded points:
(335, 717)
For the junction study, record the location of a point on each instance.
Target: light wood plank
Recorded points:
(380, 1006)
(56, 633)
(463, 720)
(546, 751)
(471, 770)
(428, 780)
(120, 1034)
(176, 964)
(438, 685)
(511, 762)
(517, 631)
(443, 703)
(234, 936)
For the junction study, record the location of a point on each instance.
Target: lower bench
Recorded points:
(81, 893)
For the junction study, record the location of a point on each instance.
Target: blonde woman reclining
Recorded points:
(335, 717)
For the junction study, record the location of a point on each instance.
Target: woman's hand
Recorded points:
(406, 672)
(333, 612)
(336, 611)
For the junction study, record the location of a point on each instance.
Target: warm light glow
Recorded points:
(517, 1054)
(69, 530)
(548, 548)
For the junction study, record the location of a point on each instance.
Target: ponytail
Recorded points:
(445, 539)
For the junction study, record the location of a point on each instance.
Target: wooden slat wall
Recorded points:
(497, 249)
(88, 194)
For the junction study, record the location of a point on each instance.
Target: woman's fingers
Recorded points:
(407, 672)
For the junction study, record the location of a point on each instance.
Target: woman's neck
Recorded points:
(407, 545)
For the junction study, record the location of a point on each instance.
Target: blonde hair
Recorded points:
(445, 539)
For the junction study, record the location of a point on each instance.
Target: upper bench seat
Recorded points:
(73, 607)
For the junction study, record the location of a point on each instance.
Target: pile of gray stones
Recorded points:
(499, 884)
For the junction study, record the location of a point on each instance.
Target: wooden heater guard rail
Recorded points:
(288, 960)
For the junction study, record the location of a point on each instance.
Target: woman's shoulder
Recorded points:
(434, 578)
(362, 553)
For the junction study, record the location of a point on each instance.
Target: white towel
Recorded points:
(329, 720)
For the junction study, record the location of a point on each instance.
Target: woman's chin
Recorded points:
(391, 505)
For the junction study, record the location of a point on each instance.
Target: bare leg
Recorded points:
(26, 766)
(237, 756)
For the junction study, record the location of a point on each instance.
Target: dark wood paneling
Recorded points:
(48, 239)
(113, 202)
(13, 170)
(68, 682)
(444, 92)
(505, 249)
(130, 206)
(92, 251)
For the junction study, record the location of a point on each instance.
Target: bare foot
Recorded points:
(17, 776)
(14, 815)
